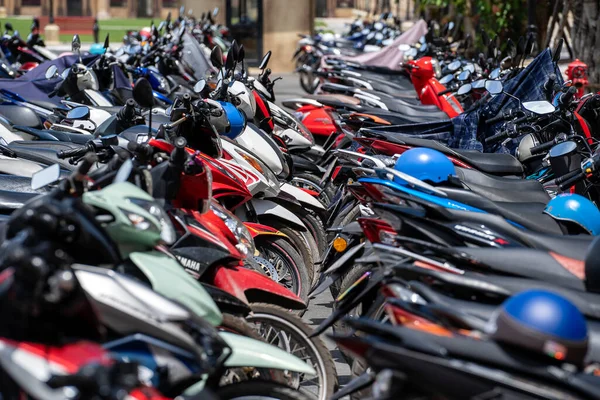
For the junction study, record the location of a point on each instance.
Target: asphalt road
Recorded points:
(320, 307)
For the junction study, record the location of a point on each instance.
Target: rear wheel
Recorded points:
(257, 390)
(312, 182)
(283, 264)
(287, 331)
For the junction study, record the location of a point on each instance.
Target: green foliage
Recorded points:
(507, 18)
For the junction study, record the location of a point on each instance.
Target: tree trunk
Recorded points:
(586, 35)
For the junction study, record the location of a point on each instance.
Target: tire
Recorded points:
(280, 321)
(310, 181)
(377, 303)
(280, 249)
(317, 230)
(238, 325)
(258, 389)
(300, 243)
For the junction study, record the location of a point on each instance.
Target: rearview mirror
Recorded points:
(494, 87)
(230, 60)
(463, 76)
(241, 53)
(265, 60)
(199, 86)
(106, 41)
(79, 113)
(215, 12)
(142, 93)
(8, 26)
(464, 89)
(45, 177)
(447, 78)
(236, 50)
(216, 57)
(76, 44)
(541, 107)
(51, 72)
(454, 65)
(495, 73)
(403, 47)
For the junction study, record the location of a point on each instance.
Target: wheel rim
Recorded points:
(287, 270)
(282, 333)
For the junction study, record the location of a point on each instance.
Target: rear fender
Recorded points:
(304, 198)
(253, 287)
(274, 210)
(247, 352)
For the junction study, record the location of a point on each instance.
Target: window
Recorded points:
(118, 3)
(31, 3)
(171, 3)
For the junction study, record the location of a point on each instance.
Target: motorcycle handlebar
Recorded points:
(128, 111)
(496, 138)
(566, 98)
(80, 152)
(571, 181)
(542, 148)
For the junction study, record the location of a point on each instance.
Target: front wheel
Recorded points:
(287, 331)
(259, 390)
(282, 263)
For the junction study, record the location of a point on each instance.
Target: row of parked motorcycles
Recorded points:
(165, 243)
(157, 242)
(462, 214)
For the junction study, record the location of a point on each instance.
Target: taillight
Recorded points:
(399, 316)
(377, 230)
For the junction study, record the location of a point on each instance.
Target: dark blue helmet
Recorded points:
(543, 322)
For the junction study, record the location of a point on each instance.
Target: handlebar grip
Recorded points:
(142, 149)
(542, 148)
(497, 118)
(495, 138)
(443, 92)
(522, 119)
(128, 111)
(179, 155)
(86, 164)
(73, 153)
(573, 180)
(549, 85)
(567, 176)
(566, 98)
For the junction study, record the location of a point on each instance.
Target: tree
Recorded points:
(586, 35)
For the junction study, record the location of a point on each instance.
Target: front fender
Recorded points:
(269, 208)
(253, 287)
(168, 278)
(247, 352)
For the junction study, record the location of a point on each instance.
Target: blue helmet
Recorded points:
(97, 49)
(543, 322)
(424, 164)
(237, 120)
(576, 209)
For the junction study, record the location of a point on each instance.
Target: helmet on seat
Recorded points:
(575, 209)
(542, 322)
(424, 164)
(237, 120)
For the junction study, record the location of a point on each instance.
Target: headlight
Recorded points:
(245, 243)
(262, 168)
(167, 233)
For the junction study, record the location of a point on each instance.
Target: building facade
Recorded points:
(103, 9)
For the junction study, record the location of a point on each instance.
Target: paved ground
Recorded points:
(319, 308)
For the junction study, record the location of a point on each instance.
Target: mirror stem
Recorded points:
(150, 122)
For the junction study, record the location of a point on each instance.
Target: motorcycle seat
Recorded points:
(10, 200)
(18, 115)
(324, 98)
(54, 135)
(529, 215)
(497, 188)
(417, 113)
(530, 263)
(44, 152)
(491, 163)
(48, 105)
